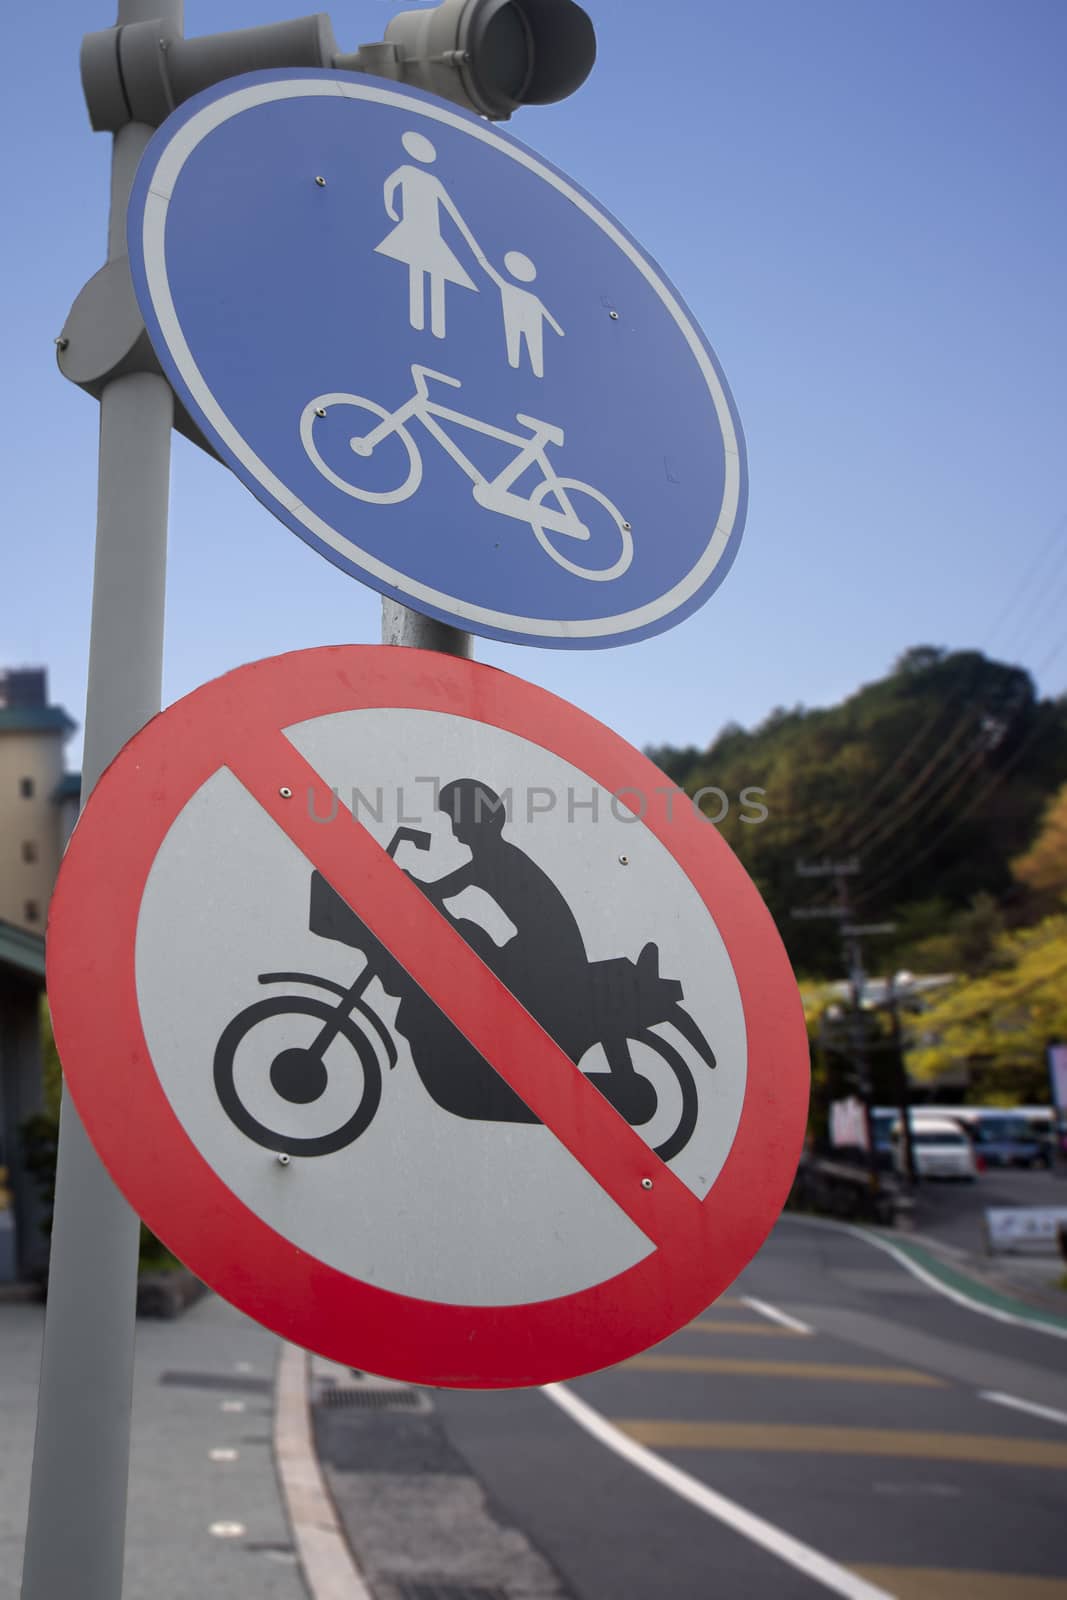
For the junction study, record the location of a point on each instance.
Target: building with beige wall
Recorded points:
(36, 810)
(38, 806)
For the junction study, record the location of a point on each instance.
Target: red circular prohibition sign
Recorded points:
(236, 722)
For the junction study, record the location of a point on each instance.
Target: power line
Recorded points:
(1051, 543)
(881, 828)
(914, 860)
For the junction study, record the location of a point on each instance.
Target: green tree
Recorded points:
(999, 1022)
(935, 775)
(967, 942)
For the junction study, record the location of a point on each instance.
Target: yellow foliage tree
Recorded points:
(1044, 866)
(1001, 1022)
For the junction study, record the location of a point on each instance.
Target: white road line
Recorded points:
(1048, 1412)
(325, 1559)
(776, 1542)
(1034, 1324)
(774, 1315)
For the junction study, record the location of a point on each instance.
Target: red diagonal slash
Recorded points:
(442, 963)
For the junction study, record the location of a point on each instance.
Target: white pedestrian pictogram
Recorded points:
(548, 508)
(525, 314)
(417, 238)
(418, 241)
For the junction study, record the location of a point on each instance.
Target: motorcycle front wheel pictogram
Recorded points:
(297, 1075)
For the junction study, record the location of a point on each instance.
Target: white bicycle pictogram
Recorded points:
(549, 509)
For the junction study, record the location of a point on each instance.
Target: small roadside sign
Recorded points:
(424, 1019)
(437, 359)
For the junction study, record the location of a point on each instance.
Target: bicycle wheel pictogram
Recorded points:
(400, 460)
(569, 525)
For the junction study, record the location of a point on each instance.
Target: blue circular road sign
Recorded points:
(437, 359)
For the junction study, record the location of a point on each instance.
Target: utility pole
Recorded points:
(841, 872)
(872, 930)
(903, 1097)
(857, 981)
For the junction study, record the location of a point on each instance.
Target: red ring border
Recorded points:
(92, 991)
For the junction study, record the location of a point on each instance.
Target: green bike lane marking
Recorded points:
(954, 1282)
(973, 1287)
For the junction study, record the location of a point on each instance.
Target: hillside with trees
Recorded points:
(935, 778)
(945, 785)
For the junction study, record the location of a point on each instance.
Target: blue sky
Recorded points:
(864, 207)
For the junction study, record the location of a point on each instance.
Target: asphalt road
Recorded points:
(863, 1432)
(953, 1212)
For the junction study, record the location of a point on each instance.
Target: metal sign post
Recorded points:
(77, 1515)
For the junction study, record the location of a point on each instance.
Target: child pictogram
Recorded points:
(525, 314)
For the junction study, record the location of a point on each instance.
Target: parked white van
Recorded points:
(942, 1149)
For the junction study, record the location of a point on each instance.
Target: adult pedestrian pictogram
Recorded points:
(441, 1033)
(321, 257)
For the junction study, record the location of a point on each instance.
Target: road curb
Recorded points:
(967, 1278)
(956, 1282)
(329, 1570)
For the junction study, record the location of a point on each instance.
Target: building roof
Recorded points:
(21, 950)
(35, 719)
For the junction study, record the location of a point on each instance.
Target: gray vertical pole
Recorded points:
(857, 979)
(77, 1518)
(405, 627)
(903, 1095)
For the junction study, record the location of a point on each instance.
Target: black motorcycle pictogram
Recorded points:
(580, 1003)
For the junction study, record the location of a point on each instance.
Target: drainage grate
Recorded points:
(408, 1590)
(218, 1380)
(372, 1399)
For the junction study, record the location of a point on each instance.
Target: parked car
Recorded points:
(942, 1149)
(1008, 1141)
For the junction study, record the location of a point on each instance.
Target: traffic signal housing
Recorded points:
(493, 56)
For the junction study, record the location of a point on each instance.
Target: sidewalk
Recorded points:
(228, 1498)
(205, 1512)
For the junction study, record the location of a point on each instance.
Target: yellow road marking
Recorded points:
(771, 1329)
(760, 1437)
(936, 1583)
(786, 1369)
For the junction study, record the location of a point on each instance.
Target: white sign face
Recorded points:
(848, 1124)
(429, 1198)
(1024, 1225)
